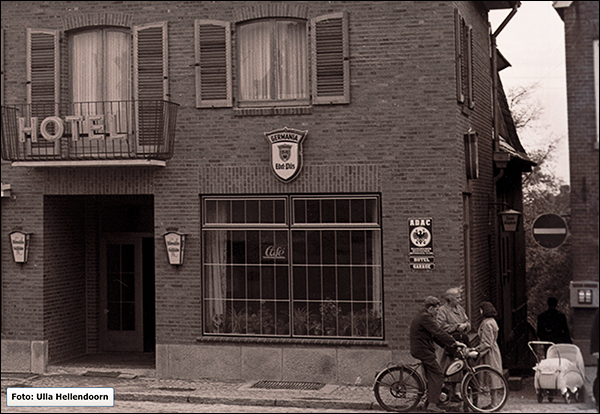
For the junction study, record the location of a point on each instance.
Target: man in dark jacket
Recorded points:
(424, 331)
(552, 324)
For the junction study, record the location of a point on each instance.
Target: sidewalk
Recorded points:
(141, 385)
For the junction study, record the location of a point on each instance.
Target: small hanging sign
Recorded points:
(286, 152)
(420, 236)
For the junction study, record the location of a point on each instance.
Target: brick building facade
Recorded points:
(329, 164)
(581, 56)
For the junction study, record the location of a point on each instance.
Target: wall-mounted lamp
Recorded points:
(510, 220)
(174, 242)
(19, 243)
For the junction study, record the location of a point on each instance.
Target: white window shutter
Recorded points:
(330, 59)
(213, 63)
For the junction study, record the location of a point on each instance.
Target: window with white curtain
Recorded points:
(292, 266)
(101, 73)
(273, 61)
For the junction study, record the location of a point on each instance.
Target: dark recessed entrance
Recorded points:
(126, 274)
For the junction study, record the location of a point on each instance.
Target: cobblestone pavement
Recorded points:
(140, 392)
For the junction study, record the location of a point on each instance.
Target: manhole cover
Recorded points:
(288, 385)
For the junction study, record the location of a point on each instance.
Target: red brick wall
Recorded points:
(581, 28)
(64, 287)
(401, 136)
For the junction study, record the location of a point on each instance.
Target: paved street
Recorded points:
(141, 394)
(513, 406)
(154, 407)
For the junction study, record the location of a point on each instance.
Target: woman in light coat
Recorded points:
(489, 351)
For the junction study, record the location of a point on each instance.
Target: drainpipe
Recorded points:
(496, 148)
(495, 74)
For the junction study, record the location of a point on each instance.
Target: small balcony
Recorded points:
(89, 133)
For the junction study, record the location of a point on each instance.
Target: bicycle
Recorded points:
(400, 388)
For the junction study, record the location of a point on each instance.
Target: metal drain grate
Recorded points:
(109, 374)
(288, 385)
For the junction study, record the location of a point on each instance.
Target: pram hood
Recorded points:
(570, 352)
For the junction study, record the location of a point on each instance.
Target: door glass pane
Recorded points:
(127, 258)
(113, 317)
(128, 286)
(120, 286)
(128, 319)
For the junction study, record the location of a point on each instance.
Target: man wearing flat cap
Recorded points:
(424, 332)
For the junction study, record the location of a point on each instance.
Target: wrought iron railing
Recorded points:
(110, 130)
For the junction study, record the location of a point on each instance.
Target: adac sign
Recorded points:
(286, 152)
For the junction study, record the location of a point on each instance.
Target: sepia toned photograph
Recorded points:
(299, 206)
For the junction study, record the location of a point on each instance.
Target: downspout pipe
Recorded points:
(495, 73)
(508, 18)
(496, 145)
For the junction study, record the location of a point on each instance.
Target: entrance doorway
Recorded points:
(122, 292)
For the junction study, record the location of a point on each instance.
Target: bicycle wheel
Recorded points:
(398, 389)
(485, 390)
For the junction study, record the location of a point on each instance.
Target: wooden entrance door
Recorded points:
(121, 292)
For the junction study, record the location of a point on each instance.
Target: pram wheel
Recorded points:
(540, 397)
(568, 397)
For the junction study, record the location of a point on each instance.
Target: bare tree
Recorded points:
(548, 270)
(524, 112)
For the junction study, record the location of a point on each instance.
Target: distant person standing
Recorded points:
(594, 351)
(552, 324)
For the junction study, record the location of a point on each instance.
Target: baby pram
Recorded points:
(560, 373)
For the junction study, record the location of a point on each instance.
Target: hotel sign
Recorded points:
(286, 152)
(52, 128)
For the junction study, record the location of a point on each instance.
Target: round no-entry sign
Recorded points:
(549, 230)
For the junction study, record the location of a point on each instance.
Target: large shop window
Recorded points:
(301, 266)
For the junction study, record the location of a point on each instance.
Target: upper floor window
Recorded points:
(105, 64)
(101, 65)
(464, 60)
(116, 84)
(272, 62)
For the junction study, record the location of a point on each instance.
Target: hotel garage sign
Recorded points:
(420, 234)
(286, 152)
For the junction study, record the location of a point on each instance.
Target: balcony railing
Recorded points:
(115, 130)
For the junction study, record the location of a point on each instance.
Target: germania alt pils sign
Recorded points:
(286, 152)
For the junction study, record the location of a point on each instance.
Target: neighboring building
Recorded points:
(581, 56)
(253, 190)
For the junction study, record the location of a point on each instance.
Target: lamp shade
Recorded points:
(19, 244)
(174, 242)
(510, 220)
